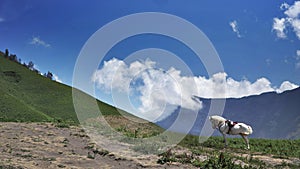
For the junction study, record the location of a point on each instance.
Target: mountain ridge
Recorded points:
(272, 115)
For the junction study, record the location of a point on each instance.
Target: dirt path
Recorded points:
(32, 145)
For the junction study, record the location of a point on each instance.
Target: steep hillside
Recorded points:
(27, 96)
(271, 115)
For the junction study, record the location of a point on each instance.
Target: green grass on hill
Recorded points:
(26, 96)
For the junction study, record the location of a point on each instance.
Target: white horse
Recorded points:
(228, 127)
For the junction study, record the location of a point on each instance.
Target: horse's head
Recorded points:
(213, 122)
(216, 120)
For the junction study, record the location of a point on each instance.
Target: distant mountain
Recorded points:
(271, 115)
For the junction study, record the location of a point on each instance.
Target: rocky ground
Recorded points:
(43, 145)
(46, 145)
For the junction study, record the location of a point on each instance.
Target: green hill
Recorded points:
(26, 96)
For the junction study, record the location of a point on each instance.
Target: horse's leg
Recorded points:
(246, 140)
(225, 141)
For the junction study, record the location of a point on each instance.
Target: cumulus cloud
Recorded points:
(164, 90)
(286, 85)
(157, 90)
(279, 27)
(118, 71)
(222, 86)
(291, 19)
(284, 6)
(39, 42)
(294, 10)
(234, 27)
(296, 26)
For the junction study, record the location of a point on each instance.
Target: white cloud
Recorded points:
(222, 86)
(235, 28)
(2, 19)
(158, 91)
(116, 70)
(38, 42)
(294, 10)
(279, 27)
(286, 85)
(163, 90)
(296, 26)
(56, 78)
(284, 6)
(291, 20)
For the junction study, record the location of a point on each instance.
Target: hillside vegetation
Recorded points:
(27, 96)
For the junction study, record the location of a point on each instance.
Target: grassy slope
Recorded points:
(28, 96)
(17, 87)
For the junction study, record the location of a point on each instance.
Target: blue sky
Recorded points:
(251, 43)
